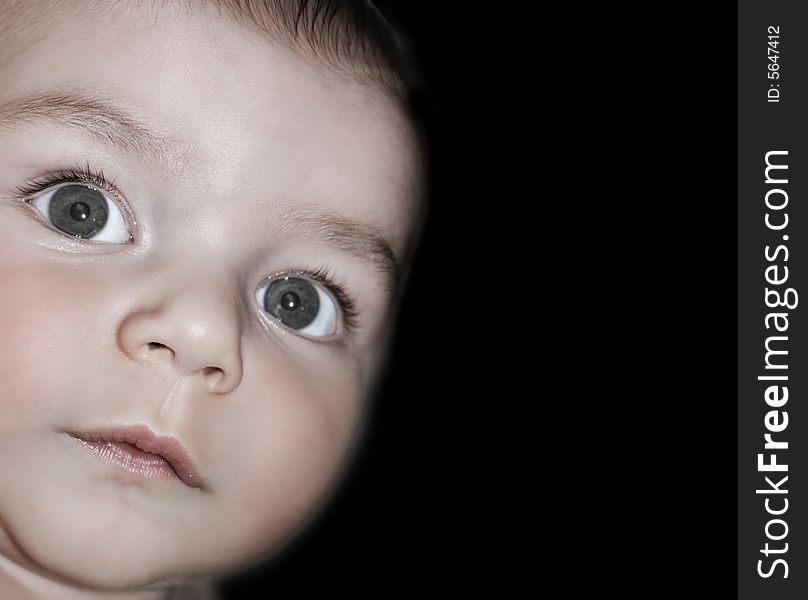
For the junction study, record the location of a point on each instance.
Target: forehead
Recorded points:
(245, 118)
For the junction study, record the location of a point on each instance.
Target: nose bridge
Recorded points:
(188, 317)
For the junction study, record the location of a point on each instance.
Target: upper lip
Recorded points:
(142, 437)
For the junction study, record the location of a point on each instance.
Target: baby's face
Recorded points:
(187, 327)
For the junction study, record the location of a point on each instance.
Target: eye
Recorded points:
(83, 212)
(299, 304)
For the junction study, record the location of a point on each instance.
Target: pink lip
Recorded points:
(139, 450)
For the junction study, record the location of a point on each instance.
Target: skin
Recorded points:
(256, 128)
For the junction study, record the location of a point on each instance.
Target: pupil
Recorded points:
(80, 211)
(290, 301)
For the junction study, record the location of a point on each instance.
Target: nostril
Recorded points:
(213, 384)
(156, 350)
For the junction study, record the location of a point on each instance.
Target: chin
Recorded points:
(115, 548)
(94, 549)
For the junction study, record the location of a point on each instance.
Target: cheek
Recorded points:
(291, 439)
(45, 320)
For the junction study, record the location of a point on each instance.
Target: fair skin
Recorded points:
(251, 133)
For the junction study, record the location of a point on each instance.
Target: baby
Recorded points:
(207, 214)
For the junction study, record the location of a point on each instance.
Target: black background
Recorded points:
(413, 514)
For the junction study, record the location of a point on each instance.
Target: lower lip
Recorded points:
(132, 459)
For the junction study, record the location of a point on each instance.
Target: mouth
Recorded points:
(140, 451)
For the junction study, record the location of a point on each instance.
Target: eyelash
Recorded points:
(77, 174)
(350, 313)
(85, 174)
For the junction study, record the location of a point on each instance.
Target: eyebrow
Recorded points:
(114, 126)
(102, 120)
(359, 240)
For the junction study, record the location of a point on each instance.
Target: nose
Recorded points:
(196, 330)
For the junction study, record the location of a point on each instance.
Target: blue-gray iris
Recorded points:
(78, 210)
(293, 301)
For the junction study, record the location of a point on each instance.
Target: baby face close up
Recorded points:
(198, 238)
